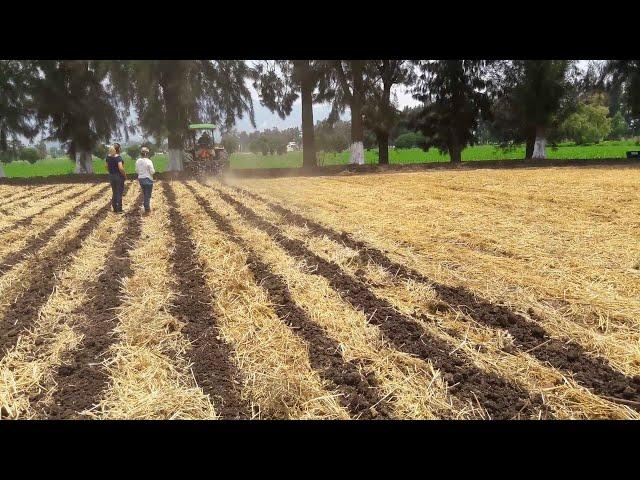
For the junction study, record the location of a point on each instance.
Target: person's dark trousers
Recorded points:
(117, 188)
(147, 186)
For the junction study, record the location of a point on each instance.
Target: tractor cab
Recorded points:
(202, 155)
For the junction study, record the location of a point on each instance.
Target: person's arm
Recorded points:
(121, 168)
(151, 168)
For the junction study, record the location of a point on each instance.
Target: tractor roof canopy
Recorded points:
(202, 126)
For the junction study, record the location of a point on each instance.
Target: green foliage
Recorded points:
(133, 151)
(100, 151)
(29, 154)
(168, 95)
(625, 74)
(230, 143)
(256, 146)
(279, 83)
(529, 95)
(619, 127)
(74, 101)
(42, 150)
(410, 140)
(332, 137)
(16, 103)
(380, 112)
(589, 124)
(455, 100)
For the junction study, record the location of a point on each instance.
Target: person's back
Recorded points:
(145, 171)
(115, 167)
(144, 168)
(112, 164)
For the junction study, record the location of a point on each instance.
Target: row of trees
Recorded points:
(82, 103)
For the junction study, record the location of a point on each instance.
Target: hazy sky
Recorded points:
(265, 119)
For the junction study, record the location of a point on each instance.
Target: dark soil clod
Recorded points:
(493, 393)
(213, 367)
(594, 373)
(359, 393)
(82, 379)
(23, 311)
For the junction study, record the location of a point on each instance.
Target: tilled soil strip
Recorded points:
(39, 241)
(358, 392)
(466, 381)
(213, 367)
(23, 311)
(17, 196)
(594, 373)
(29, 219)
(7, 204)
(52, 190)
(82, 379)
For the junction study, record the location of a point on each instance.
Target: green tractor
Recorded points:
(202, 156)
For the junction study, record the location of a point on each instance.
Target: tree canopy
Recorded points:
(455, 98)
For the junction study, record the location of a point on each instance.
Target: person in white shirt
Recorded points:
(145, 171)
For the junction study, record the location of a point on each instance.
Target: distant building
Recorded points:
(292, 147)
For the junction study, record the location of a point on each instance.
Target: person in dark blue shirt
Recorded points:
(115, 167)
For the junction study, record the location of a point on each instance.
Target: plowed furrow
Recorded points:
(358, 392)
(22, 311)
(499, 398)
(594, 373)
(28, 220)
(37, 242)
(213, 368)
(29, 197)
(82, 379)
(28, 370)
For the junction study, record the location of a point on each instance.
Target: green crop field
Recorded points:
(64, 166)
(612, 149)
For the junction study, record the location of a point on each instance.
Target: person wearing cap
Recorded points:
(145, 171)
(117, 176)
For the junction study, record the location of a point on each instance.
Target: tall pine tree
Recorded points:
(380, 113)
(76, 106)
(532, 98)
(280, 83)
(455, 99)
(16, 105)
(168, 95)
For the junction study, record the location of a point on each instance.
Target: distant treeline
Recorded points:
(84, 104)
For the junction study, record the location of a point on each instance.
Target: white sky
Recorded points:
(265, 119)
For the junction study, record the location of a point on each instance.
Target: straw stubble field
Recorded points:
(480, 294)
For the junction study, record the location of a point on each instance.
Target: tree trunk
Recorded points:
(306, 95)
(539, 151)
(383, 149)
(2, 175)
(175, 122)
(455, 152)
(530, 143)
(175, 160)
(357, 128)
(84, 162)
